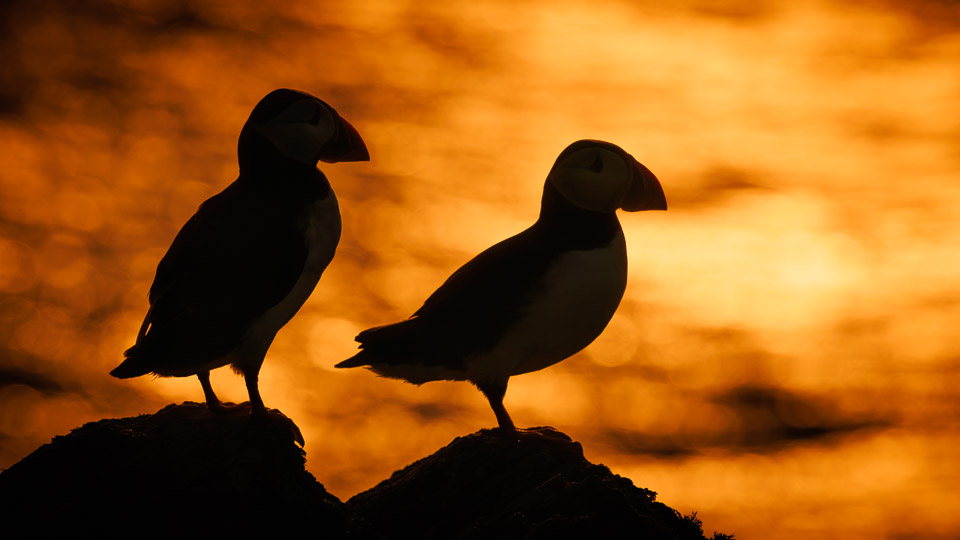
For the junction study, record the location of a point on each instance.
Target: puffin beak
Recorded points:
(645, 192)
(348, 146)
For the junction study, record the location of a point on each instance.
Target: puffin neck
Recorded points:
(585, 228)
(261, 163)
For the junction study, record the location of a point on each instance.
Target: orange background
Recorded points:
(785, 358)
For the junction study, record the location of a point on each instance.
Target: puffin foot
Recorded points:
(274, 415)
(224, 407)
(541, 433)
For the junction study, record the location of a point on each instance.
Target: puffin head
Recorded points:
(602, 177)
(304, 129)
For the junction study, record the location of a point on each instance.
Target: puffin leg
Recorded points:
(495, 393)
(213, 402)
(256, 403)
(503, 418)
(259, 411)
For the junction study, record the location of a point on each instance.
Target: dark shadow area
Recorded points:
(10, 376)
(772, 416)
(488, 486)
(767, 420)
(716, 186)
(433, 411)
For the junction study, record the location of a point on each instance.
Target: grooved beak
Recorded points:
(645, 191)
(348, 146)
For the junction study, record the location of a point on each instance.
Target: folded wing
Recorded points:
(233, 260)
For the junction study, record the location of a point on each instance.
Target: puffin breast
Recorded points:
(575, 300)
(321, 236)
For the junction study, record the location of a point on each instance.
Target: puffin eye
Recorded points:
(323, 117)
(597, 164)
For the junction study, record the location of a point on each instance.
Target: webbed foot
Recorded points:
(223, 407)
(274, 415)
(543, 433)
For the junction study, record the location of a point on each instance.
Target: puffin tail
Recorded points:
(360, 359)
(389, 338)
(131, 366)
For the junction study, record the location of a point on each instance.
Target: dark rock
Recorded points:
(488, 486)
(182, 470)
(187, 472)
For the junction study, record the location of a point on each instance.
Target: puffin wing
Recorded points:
(470, 312)
(238, 256)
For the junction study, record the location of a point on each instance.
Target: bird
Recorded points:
(242, 266)
(533, 299)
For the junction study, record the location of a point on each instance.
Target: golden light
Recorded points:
(784, 360)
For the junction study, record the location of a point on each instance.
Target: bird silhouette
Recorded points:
(531, 300)
(242, 266)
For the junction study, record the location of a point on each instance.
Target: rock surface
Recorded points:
(488, 486)
(181, 470)
(187, 472)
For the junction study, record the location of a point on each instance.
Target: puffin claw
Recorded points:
(224, 407)
(276, 415)
(546, 433)
(542, 433)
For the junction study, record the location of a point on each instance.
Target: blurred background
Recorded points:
(785, 360)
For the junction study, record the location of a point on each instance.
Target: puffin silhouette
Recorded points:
(242, 266)
(531, 300)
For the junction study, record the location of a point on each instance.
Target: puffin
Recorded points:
(247, 260)
(533, 299)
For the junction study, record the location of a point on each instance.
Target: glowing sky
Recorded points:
(785, 358)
